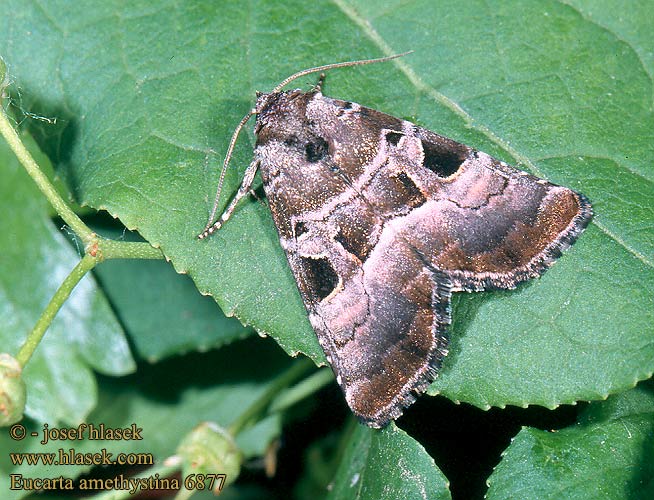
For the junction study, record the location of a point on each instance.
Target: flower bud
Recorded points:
(210, 449)
(12, 390)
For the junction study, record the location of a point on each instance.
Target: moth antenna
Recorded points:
(326, 67)
(228, 156)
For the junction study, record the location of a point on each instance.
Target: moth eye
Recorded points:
(440, 161)
(316, 150)
(393, 137)
(300, 228)
(321, 277)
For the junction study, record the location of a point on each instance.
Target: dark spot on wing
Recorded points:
(316, 150)
(300, 228)
(393, 137)
(411, 193)
(321, 279)
(442, 161)
(354, 242)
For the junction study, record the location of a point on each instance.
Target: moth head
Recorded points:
(277, 100)
(262, 101)
(280, 113)
(267, 100)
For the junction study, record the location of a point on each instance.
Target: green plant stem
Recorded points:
(111, 249)
(279, 384)
(96, 248)
(58, 299)
(17, 146)
(301, 390)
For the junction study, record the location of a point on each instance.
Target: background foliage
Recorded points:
(145, 96)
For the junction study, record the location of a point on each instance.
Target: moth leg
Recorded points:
(253, 193)
(318, 86)
(243, 190)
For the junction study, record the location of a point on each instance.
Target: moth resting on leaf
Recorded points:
(381, 220)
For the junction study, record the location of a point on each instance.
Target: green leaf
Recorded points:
(608, 454)
(560, 344)
(555, 87)
(4, 82)
(166, 401)
(84, 335)
(387, 464)
(163, 312)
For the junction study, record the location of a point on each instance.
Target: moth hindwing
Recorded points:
(381, 220)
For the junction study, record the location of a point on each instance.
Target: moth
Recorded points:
(381, 220)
